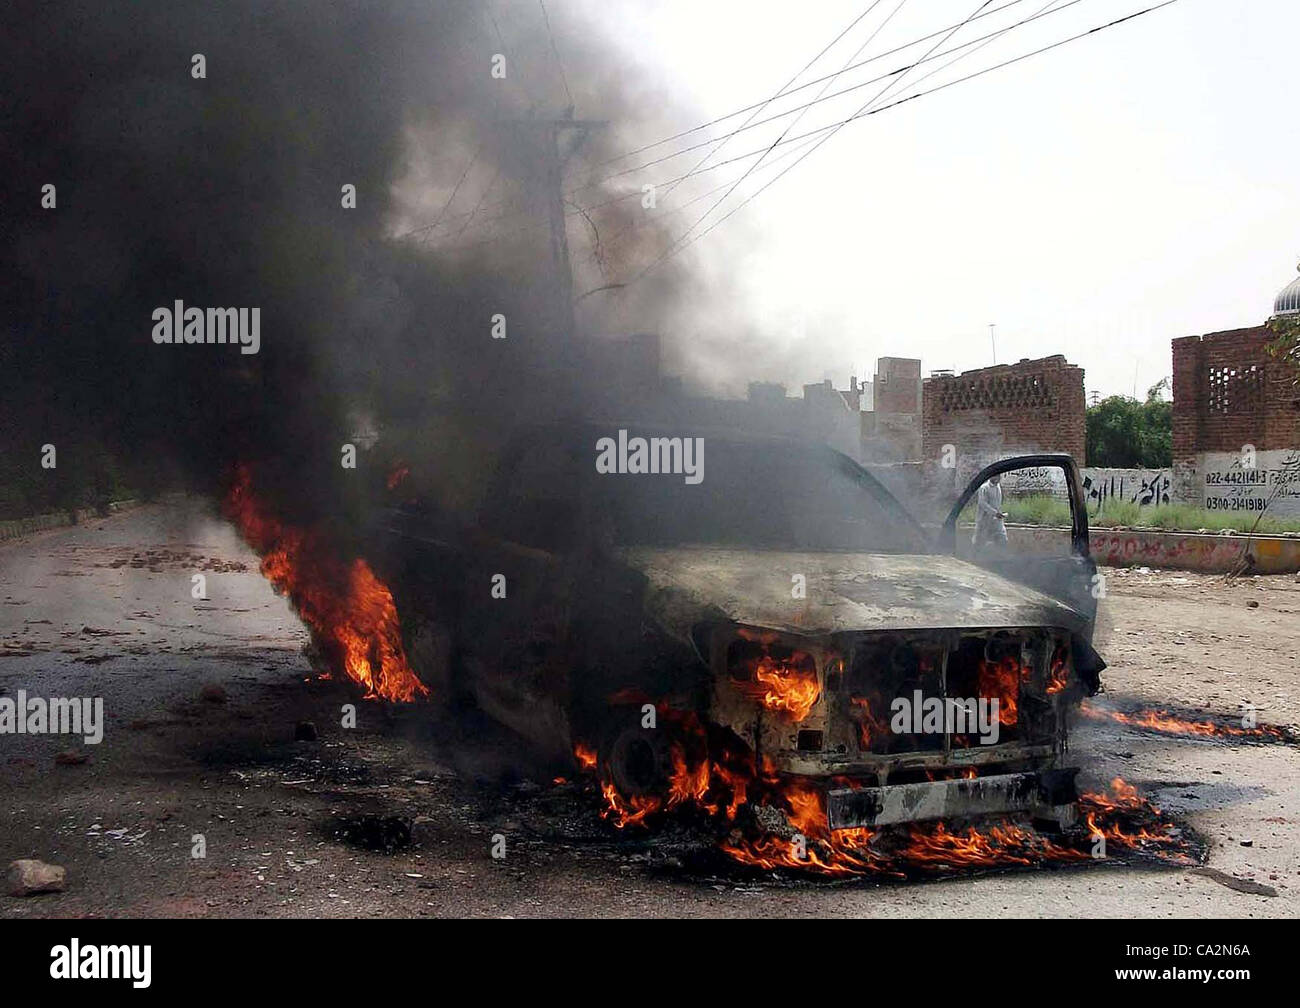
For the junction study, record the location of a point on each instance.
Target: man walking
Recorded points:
(990, 519)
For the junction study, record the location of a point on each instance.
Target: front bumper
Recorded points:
(1049, 794)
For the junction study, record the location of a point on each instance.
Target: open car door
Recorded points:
(1054, 561)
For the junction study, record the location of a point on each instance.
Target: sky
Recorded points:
(1097, 200)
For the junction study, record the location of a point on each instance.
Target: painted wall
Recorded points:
(1174, 550)
(1144, 487)
(1224, 482)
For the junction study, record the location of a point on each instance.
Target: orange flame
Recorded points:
(585, 755)
(1060, 677)
(399, 473)
(1001, 679)
(1169, 724)
(720, 783)
(869, 726)
(350, 610)
(788, 687)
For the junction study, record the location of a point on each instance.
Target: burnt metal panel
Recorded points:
(950, 799)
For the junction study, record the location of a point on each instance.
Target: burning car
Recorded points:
(785, 613)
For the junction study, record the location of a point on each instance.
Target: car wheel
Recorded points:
(636, 760)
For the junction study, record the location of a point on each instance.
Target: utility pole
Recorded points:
(993, 342)
(553, 142)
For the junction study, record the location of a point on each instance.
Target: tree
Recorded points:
(1123, 433)
(1286, 347)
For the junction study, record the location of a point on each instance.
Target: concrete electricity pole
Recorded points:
(553, 142)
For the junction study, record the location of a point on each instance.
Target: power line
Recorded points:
(682, 243)
(537, 226)
(482, 196)
(757, 106)
(931, 55)
(694, 199)
(456, 188)
(920, 94)
(987, 39)
(789, 126)
(801, 87)
(831, 126)
(556, 52)
(780, 91)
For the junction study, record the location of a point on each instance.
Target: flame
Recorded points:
(349, 609)
(630, 810)
(716, 775)
(869, 726)
(781, 678)
(1170, 724)
(939, 847)
(1060, 676)
(785, 687)
(1001, 680)
(585, 755)
(1103, 815)
(399, 473)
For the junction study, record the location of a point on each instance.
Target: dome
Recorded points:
(1288, 301)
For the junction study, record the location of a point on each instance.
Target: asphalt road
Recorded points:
(105, 609)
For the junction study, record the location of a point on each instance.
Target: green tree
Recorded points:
(1286, 347)
(1124, 433)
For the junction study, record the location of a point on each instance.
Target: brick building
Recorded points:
(1231, 398)
(897, 387)
(891, 427)
(1035, 405)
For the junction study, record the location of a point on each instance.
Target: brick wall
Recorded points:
(897, 385)
(1036, 405)
(1229, 391)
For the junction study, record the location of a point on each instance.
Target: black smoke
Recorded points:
(227, 190)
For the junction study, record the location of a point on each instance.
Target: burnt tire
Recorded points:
(636, 760)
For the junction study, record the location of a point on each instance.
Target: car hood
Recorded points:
(844, 592)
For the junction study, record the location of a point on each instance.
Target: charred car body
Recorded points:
(787, 600)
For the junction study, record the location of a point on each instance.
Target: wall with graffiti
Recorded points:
(1249, 482)
(1143, 487)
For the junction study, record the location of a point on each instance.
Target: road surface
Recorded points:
(105, 610)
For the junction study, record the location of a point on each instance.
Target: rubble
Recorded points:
(212, 693)
(28, 877)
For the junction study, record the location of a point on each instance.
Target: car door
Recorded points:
(1054, 557)
(517, 642)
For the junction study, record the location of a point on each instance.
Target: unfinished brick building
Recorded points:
(1035, 405)
(1236, 418)
(891, 429)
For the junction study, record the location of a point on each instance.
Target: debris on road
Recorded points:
(1232, 882)
(28, 877)
(212, 693)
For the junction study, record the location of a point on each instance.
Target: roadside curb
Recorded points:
(19, 527)
(1208, 553)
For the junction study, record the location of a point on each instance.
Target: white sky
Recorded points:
(1097, 200)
